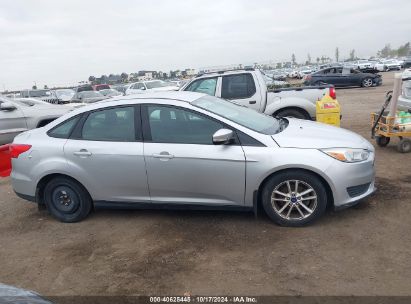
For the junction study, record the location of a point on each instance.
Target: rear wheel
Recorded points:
(294, 198)
(382, 141)
(296, 113)
(67, 200)
(367, 82)
(404, 146)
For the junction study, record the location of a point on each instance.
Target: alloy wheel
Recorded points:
(294, 200)
(367, 82)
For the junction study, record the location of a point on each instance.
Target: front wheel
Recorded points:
(404, 146)
(367, 82)
(67, 200)
(294, 198)
(382, 141)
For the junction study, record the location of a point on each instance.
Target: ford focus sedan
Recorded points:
(188, 149)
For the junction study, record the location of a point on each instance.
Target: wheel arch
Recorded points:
(329, 192)
(45, 179)
(300, 109)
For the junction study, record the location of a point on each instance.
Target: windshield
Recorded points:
(241, 115)
(155, 84)
(64, 93)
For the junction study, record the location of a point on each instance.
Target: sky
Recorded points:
(64, 42)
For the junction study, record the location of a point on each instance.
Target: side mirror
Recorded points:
(7, 106)
(223, 137)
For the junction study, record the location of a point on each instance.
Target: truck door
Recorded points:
(242, 89)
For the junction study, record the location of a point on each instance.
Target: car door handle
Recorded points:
(252, 102)
(164, 155)
(82, 152)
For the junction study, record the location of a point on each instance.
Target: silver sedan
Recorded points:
(192, 150)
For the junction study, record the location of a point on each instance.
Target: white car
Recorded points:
(388, 65)
(362, 64)
(150, 86)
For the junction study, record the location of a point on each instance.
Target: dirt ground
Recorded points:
(365, 250)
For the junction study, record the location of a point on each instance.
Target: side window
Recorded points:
(116, 124)
(238, 86)
(205, 85)
(63, 130)
(175, 125)
(138, 86)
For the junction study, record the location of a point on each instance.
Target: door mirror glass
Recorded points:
(223, 137)
(7, 106)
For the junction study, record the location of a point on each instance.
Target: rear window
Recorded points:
(238, 86)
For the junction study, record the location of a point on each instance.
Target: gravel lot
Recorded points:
(365, 250)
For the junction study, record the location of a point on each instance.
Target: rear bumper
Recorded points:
(26, 197)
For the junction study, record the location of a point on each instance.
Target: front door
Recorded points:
(106, 152)
(183, 164)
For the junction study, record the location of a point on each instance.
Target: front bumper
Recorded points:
(378, 81)
(351, 182)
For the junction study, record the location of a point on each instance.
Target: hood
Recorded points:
(313, 135)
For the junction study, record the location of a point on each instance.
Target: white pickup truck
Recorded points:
(247, 87)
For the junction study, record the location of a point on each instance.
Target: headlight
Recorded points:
(348, 155)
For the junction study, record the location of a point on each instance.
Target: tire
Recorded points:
(367, 82)
(404, 146)
(66, 200)
(285, 207)
(296, 113)
(382, 141)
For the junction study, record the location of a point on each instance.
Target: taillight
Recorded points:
(17, 149)
(333, 94)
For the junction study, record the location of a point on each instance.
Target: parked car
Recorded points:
(57, 96)
(88, 97)
(407, 63)
(388, 65)
(190, 149)
(99, 87)
(362, 64)
(248, 87)
(341, 77)
(110, 92)
(17, 117)
(34, 101)
(150, 86)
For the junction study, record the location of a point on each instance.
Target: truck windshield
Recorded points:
(241, 115)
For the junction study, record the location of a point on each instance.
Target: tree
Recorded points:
(404, 50)
(34, 87)
(318, 60)
(386, 51)
(352, 54)
(124, 77)
(308, 58)
(337, 54)
(46, 87)
(293, 58)
(92, 78)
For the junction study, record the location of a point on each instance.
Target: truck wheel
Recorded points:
(404, 146)
(294, 198)
(295, 113)
(382, 141)
(67, 200)
(367, 82)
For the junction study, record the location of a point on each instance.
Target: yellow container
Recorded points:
(328, 111)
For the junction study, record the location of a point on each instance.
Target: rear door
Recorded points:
(105, 151)
(183, 164)
(12, 122)
(242, 89)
